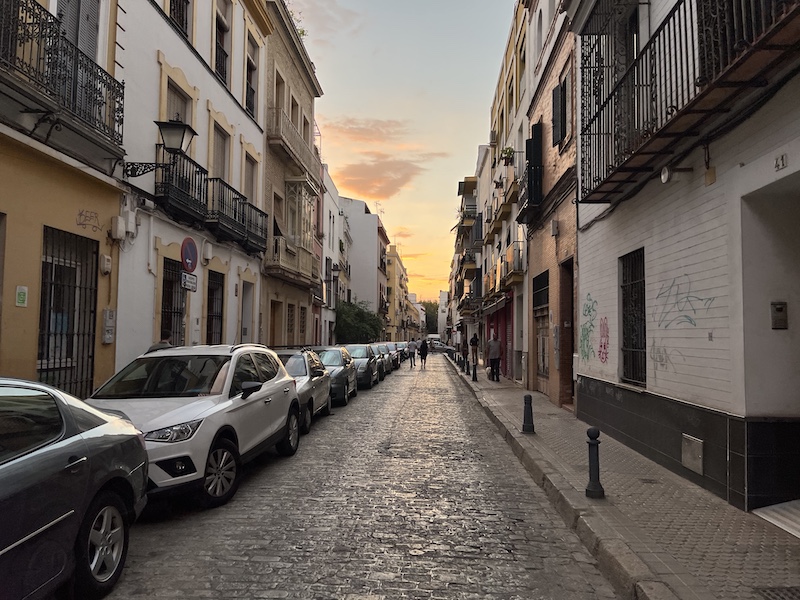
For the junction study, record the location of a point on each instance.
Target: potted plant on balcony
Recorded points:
(507, 154)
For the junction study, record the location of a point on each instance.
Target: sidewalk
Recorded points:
(655, 535)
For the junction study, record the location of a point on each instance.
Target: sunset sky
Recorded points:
(407, 93)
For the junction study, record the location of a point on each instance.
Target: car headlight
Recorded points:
(176, 433)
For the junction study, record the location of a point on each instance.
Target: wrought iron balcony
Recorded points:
(469, 305)
(221, 63)
(257, 225)
(227, 211)
(530, 194)
(36, 57)
(181, 187)
(179, 13)
(467, 219)
(706, 62)
(513, 266)
(283, 135)
(289, 262)
(467, 264)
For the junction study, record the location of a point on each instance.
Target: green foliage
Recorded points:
(297, 19)
(431, 315)
(356, 324)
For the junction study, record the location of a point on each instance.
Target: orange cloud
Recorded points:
(366, 131)
(403, 232)
(379, 179)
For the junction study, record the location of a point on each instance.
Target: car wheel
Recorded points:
(222, 474)
(354, 392)
(288, 445)
(329, 405)
(101, 546)
(308, 415)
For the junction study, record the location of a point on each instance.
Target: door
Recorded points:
(44, 473)
(277, 391)
(567, 337)
(275, 323)
(246, 334)
(250, 416)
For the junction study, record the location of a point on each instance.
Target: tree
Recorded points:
(431, 315)
(356, 324)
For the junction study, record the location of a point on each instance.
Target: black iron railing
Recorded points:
(257, 220)
(179, 12)
(227, 207)
(32, 46)
(628, 96)
(181, 184)
(221, 63)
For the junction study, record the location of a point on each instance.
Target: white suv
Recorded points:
(205, 410)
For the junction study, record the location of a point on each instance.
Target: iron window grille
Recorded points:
(173, 302)
(634, 329)
(541, 316)
(179, 12)
(215, 303)
(68, 312)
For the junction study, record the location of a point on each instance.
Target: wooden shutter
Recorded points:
(558, 123)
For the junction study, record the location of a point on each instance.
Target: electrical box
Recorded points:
(779, 311)
(105, 264)
(109, 325)
(118, 229)
(208, 252)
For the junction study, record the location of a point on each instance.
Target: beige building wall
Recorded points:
(39, 191)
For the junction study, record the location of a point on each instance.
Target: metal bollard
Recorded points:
(527, 415)
(474, 372)
(466, 365)
(594, 489)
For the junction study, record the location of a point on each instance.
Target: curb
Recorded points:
(616, 560)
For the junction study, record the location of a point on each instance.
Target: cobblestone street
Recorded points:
(407, 492)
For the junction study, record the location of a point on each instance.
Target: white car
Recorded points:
(204, 411)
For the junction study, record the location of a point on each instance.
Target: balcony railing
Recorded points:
(702, 55)
(513, 266)
(227, 215)
(257, 223)
(281, 130)
(179, 12)
(530, 194)
(33, 47)
(221, 63)
(181, 187)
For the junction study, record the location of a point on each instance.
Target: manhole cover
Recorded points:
(779, 593)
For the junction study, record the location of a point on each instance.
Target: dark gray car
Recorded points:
(342, 368)
(72, 481)
(366, 364)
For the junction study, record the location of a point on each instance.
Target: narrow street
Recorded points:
(407, 492)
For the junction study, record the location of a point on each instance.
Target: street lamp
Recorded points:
(175, 136)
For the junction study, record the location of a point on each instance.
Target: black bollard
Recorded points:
(527, 415)
(474, 372)
(466, 363)
(594, 489)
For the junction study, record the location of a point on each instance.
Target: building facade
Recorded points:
(686, 239)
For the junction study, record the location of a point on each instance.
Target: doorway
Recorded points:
(566, 305)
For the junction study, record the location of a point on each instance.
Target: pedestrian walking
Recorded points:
(423, 353)
(165, 342)
(473, 344)
(494, 351)
(412, 352)
(464, 351)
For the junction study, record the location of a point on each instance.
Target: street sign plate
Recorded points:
(189, 281)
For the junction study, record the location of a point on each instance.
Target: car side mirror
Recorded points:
(249, 388)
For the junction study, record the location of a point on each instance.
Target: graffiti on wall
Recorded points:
(88, 219)
(663, 357)
(587, 328)
(676, 305)
(602, 349)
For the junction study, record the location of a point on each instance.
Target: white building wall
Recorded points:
(692, 238)
(364, 252)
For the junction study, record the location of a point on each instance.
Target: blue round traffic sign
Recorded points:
(189, 255)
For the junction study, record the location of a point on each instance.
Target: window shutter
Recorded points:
(558, 123)
(69, 12)
(87, 28)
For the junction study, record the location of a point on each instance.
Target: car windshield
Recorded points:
(384, 349)
(392, 347)
(331, 358)
(402, 345)
(166, 377)
(295, 364)
(357, 351)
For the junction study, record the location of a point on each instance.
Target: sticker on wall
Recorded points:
(22, 296)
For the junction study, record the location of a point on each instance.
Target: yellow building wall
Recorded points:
(37, 190)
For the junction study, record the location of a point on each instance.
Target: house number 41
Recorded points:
(780, 162)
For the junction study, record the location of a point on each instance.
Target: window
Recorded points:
(221, 143)
(215, 304)
(294, 113)
(178, 104)
(541, 317)
(302, 323)
(267, 366)
(250, 179)
(222, 47)
(290, 324)
(67, 311)
(306, 131)
(173, 301)
(179, 11)
(562, 109)
(252, 76)
(245, 371)
(28, 420)
(79, 19)
(634, 332)
(280, 92)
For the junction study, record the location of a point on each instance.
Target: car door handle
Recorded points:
(267, 400)
(285, 390)
(73, 466)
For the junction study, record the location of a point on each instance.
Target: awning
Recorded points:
(495, 306)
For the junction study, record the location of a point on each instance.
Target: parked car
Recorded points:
(342, 367)
(72, 481)
(437, 346)
(395, 354)
(384, 360)
(205, 410)
(366, 364)
(313, 383)
(402, 347)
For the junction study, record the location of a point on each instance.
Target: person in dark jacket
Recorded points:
(423, 353)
